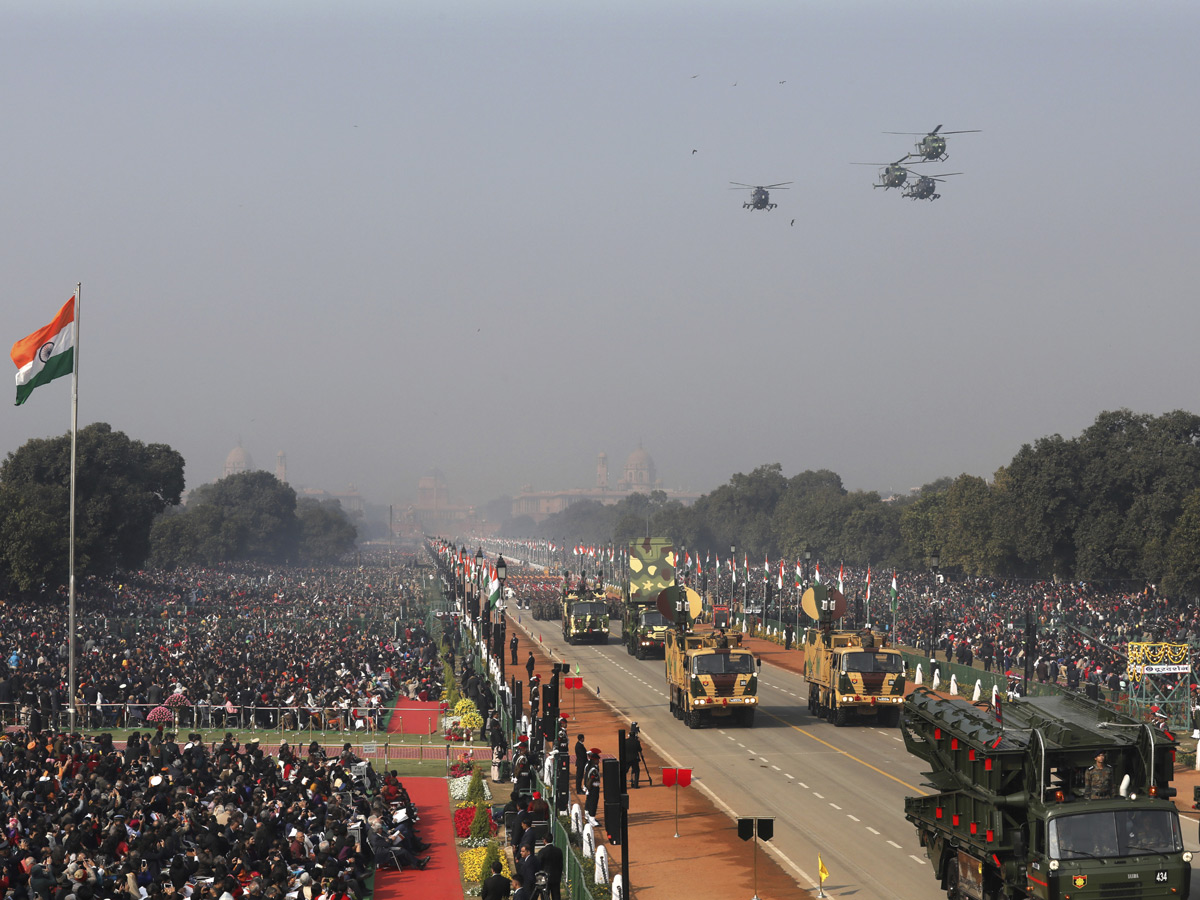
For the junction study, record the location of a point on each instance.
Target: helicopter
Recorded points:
(892, 175)
(932, 146)
(925, 187)
(761, 196)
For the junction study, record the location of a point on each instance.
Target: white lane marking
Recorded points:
(776, 768)
(853, 818)
(731, 737)
(802, 784)
(894, 844)
(835, 806)
(818, 796)
(917, 858)
(872, 830)
(786, 775)
(894, 738)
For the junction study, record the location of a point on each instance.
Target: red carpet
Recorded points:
(441, 877)
(414, 717)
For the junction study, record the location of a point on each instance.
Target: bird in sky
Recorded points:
(793, 221)
(693, 152)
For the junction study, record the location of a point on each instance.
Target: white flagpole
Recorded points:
(71, 545)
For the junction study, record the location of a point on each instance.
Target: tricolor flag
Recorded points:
(746, 566)
(780, 575)
(46, 354)
(799, 576)
(493, 589)
(868, 584)
(895, 591)
(817, 573)
(841, 574)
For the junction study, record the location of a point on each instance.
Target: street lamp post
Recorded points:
(732, 569)
(804, 585)
(501, 573)
(935, 562)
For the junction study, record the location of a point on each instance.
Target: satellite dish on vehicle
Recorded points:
(825, 604)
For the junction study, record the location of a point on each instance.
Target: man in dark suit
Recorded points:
(580, 762)
(495, 886)
(550, 861)
(527, 866)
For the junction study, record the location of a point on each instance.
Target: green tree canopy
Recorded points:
(122, 485)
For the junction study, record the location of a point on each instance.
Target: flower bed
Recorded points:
(458, 788)
(472, 864)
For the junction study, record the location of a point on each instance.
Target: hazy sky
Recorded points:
(387, 236)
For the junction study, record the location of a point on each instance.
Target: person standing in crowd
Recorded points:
(592, 779)
(581, 755)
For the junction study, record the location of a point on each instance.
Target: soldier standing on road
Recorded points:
(1098, 783)
(512, 648)
(530, 665)
(581, 755)
(592, 778)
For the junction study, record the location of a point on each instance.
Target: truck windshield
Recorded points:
(654, 620)
(872, 662)
(588, 608)
(1114, 833)
(723, 664)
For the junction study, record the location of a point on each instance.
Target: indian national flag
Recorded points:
(817, 573)
(46, 354)
(841, 575)
(493, 589)
(895, 590)
(799, 576)
(868, 584)
(780, 581)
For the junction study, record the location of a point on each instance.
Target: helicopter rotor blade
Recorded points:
(913, 133)
(936, 130)
(780, 185)
(968, 131)
(751, 186)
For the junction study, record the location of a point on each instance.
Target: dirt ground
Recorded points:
(707, 857)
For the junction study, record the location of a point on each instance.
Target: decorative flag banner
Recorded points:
(821, 870)
(868, 584)
(817, 573)
(780, 582)
(895, 591)
(799, 576)
(841, 575)
(46, 354)
(493, 589)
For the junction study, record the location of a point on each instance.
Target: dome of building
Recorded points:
(639, 471)
(237, 461)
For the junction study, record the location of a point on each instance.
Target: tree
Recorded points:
(247, 516)
(1183, 550)
(122, 485)
(325, 533)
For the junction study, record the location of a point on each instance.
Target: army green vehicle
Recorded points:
(584, 617)
(651, 571)
(1023, 808)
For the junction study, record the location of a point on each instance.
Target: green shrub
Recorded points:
(481, 825)
(492, 855)
(475, 788)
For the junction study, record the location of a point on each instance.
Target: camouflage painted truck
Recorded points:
(584, 616)
(851, 675)
(651, 571)
(710, 677)
(1015, 811)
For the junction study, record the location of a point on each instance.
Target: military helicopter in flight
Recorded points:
(761, 196)
(892, 175)
(925, 187)
(932, 146)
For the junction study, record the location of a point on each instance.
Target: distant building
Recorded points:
(434, 512)
(638, 477)
(237, 461)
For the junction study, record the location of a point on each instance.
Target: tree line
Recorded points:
(128, 513)
(1120, 501)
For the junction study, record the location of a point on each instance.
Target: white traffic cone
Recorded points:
(978, 695)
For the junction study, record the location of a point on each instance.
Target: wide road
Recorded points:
(837, 791)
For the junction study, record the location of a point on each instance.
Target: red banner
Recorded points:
(685, 777)
(668, 777)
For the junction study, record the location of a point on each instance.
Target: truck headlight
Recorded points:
(1187, 855)
(1054, 865)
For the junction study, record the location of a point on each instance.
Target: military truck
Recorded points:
(584, 616)
(711, 677)
(851, 675)
(651, 571)
(1016, 812)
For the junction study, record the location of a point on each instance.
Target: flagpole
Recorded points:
(71, 540)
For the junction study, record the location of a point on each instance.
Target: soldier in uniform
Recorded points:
(591, 779)
(580, 762)
(521, 774)
(512, 648)
(721, 641)
(1098, 782)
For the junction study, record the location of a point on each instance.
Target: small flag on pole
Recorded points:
(821, 870)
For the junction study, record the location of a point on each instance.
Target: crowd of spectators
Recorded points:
(84, 816)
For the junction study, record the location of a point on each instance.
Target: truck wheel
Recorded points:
(952, 879)
(693, 718)
(841, 717)
(640, 653)
(812, 699)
